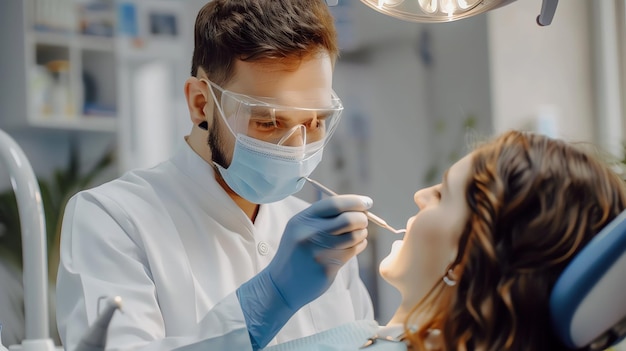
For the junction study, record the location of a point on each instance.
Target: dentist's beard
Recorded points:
(214, 141)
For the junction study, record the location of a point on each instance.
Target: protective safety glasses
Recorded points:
(308, 126)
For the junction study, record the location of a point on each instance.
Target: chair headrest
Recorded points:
(588, 301)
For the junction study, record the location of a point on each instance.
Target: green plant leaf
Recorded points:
(10, 238)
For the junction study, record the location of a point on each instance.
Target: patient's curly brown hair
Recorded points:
(534, 203)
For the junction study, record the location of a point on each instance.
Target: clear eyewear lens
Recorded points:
(265, 120)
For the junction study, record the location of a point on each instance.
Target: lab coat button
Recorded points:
(263, 248)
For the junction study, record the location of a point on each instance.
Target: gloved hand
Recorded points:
(315, 245)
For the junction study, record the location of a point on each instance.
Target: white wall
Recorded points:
(537, 68)
(500, 67)
(393, 101)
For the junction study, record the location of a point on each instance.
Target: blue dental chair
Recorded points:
(588, 301)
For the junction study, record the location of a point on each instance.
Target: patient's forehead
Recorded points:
(459, 173)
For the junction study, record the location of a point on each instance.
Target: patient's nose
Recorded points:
(425, 197)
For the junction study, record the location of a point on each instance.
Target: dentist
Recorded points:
(209, 250)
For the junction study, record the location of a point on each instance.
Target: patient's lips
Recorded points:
(409, 222)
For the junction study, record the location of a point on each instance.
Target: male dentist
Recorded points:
(209, 250)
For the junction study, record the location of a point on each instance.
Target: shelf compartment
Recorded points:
(82, 123)
(99, 83)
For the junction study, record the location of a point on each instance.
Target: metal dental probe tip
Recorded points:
(372, 217)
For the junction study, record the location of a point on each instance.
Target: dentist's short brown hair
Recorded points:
(284, 31)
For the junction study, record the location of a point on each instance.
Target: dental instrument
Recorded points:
(95, 338)
(372, 217)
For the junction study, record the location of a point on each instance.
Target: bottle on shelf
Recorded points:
(61, 105)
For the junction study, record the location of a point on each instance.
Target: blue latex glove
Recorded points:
(316, 243)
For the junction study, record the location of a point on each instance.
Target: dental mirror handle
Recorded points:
(381, 223)
(372, 217)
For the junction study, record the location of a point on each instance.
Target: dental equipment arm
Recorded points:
(35, 264)
(2, 347)
(548, 8)
(372, 217)
(316, 243)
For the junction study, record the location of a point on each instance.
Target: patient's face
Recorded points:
(430, 244)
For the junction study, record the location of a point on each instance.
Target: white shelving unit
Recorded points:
(70, 75)
(124, 85)
(60, 78)
(123, 90)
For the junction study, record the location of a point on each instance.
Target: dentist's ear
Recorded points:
(199, 103)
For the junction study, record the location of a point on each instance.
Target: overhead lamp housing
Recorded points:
(433, 11)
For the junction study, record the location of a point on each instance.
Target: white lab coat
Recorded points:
(175, 247)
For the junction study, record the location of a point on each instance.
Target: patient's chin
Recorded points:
(386, 268)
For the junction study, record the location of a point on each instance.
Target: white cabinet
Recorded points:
(65, 76)
(97, 69)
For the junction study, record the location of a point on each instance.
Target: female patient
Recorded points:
(479, 259)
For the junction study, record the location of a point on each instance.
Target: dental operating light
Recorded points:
(432, 11)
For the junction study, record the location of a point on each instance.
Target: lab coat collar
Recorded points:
(202, 174)
(185, 153)
(194, 166)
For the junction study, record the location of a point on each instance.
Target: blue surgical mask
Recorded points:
(263, 172)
